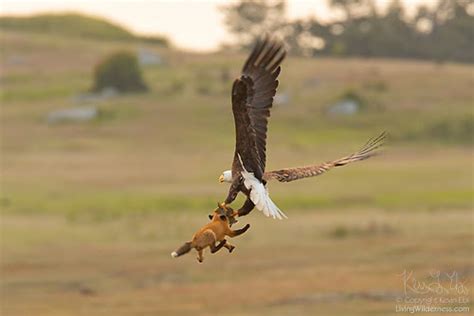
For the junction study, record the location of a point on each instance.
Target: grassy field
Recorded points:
(91, 211)
(341, 263)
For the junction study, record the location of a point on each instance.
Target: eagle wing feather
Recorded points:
(252, 98)
(292, 174)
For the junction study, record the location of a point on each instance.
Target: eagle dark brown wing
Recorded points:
(291, 174)
(252, 98)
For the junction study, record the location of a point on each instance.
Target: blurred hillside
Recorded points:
(75, 26)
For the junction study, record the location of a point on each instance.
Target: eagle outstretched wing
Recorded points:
(291, 174)
(252, 98)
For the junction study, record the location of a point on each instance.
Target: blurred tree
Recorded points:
(352, 8)
(442, 32)
(391, 35)
(452, 35)
(445, 32)
(307, 38)
(120, 71)
(248, 20)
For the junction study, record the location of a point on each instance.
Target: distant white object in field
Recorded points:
(76, 114)
(94, 97)
(16, 60)
(148, 58)
(85, 97)
(281, 98)
(344, 107)
(109, 92)
(312, 82)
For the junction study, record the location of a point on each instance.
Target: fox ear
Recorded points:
(210, 216)
(222, 217)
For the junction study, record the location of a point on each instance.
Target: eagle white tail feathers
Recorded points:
(261, 199)
(259, 195)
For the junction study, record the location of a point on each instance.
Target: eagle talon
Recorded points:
(224, 206)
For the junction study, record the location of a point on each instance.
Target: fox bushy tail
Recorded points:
(185, 248)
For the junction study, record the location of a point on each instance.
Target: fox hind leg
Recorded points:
(200, 258)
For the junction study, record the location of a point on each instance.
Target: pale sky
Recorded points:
(192, 24)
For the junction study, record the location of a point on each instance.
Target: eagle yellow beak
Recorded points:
(221, 178)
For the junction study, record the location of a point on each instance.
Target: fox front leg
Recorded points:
(237, 232)
(215, 248)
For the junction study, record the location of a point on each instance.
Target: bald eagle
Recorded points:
(252, 98)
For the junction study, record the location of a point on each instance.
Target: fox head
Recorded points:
(223, 213)
(218, 217)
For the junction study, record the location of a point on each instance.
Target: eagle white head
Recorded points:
(226, 176)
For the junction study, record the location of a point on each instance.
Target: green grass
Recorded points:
(108, 205)
(104, 186)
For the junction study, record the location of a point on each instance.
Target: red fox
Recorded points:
(213, 232)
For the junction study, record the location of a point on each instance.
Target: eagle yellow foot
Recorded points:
(224, 206)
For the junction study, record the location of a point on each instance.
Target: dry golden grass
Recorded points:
(299, 266)
(90, 212)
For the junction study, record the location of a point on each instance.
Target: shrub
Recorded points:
(354, 96)
(454, 130)
(459, 130)
(120, 71)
